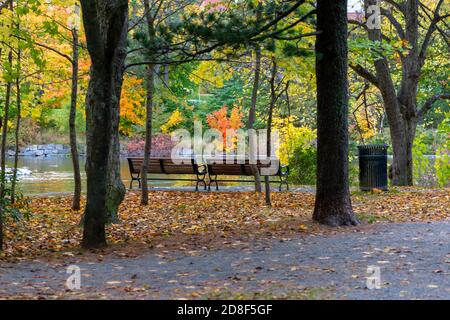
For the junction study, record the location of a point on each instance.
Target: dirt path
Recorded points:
(414, 262)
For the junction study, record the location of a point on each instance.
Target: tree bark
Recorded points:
(148, 133)
(106, 26)
(273, 99)
(148, 106)
(76, 205)
(17, 132)
(333, 205)
(3, 153)
(401, 107)
(253, 147)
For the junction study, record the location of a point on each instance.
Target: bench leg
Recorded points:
(282, 182)
(200, 180)
(133, 179)
(211, 181)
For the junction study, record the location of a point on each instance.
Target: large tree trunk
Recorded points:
(115, 188)
(106, 26)
(333, 205)
(72, 127)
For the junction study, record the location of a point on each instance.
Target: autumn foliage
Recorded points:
(173, 216)
(220, 121)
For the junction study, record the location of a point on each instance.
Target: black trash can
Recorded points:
(373, 171)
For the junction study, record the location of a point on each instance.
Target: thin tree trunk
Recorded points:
(106, 26)
(273, 99)
(17, 133)
(148, 107)
(3, 153)
(333, 205)
(76, 205)
(148, 133)
(166, 75)
(253, 147)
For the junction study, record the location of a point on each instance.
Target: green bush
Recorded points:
(442, 162)
(303, 166)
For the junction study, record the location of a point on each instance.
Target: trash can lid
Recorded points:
(373, 146)
(373, 149)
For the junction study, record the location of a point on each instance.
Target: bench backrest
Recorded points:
(238, 169)
(163, 166)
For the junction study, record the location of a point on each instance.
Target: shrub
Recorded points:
(442, 162)
(303, 165)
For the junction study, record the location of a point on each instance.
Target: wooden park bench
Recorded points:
(218, 172)
(165, 166)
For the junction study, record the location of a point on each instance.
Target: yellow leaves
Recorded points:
(291, 137)
(215, 72)
(175, 119)
(302, 227)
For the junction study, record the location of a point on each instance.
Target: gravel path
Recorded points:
(414, 262)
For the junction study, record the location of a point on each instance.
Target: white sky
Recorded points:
(354, 5)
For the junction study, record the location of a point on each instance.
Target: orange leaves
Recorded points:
(173, 217)
(425, 205)
(132, 109)
(220, 121)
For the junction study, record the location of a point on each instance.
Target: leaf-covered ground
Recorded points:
(208, 219)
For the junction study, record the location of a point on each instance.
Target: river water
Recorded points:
(54, 175)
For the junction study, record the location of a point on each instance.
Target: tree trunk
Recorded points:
(273, 99)
(106, 26)
(166, 75)
(72, 127)
(333, 205)
(401, 106)
(253, 146)
(3, 154)
(115, 188)
(148, 133)
(148, 106)
(17, 133)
